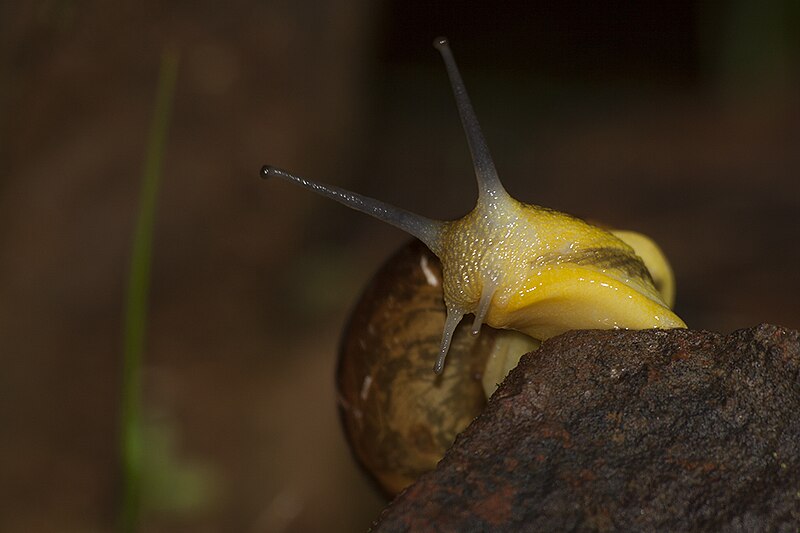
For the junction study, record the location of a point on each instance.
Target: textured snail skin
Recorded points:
(655, 261)
(547, 272)
(398, 415)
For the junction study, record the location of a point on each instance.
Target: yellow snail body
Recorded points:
(514, 266)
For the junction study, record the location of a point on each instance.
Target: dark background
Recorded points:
(681, 121)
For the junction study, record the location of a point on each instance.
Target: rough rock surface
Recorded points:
(627, 430)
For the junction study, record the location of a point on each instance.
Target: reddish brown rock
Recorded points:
(617, 430)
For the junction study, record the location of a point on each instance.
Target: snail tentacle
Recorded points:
(452, 320)
(487, 293)
(485, 171)
(423, 228)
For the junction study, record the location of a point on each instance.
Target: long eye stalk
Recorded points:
(425, 229)
(485, 171)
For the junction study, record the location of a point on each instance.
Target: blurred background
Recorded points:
(677, 119)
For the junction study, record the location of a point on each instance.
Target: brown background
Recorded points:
(682, 122)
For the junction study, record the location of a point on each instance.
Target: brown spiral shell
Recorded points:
(399, 416)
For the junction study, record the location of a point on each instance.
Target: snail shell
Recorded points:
(398, 415)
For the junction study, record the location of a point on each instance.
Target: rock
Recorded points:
(627, 430)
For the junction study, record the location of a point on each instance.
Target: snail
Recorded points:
(528, 272)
